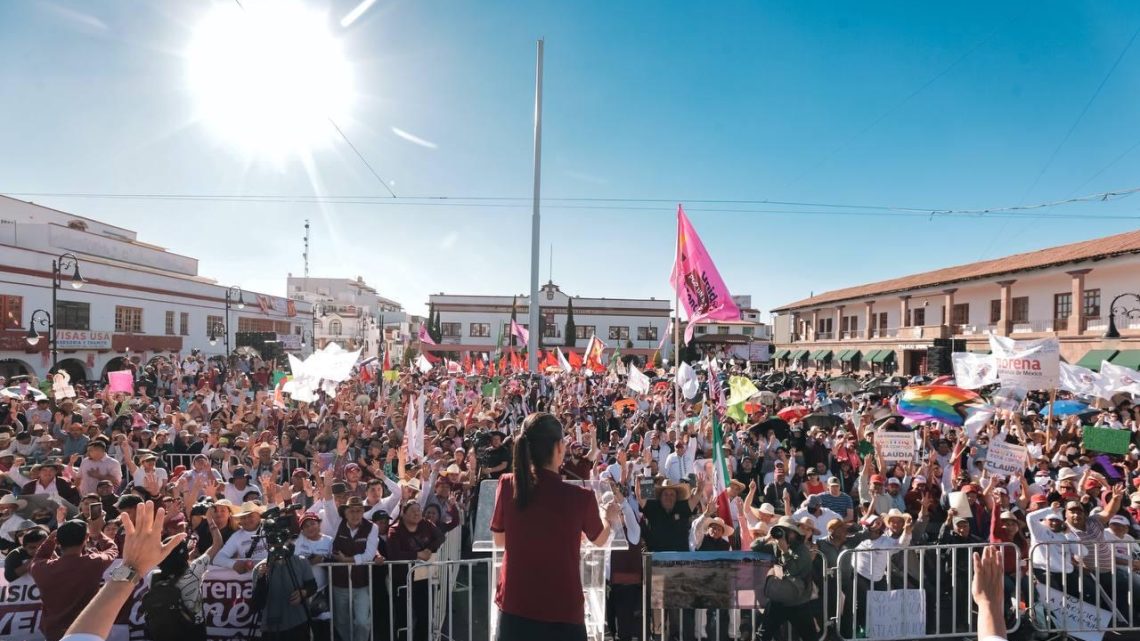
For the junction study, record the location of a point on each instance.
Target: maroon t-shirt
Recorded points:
(540, 578)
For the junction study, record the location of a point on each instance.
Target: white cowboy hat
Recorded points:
(716, 520)
(249, 507)
(9, 499)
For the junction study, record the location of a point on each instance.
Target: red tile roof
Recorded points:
(1126, 243)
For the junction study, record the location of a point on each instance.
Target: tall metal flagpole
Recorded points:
(535, 327)
(677, 329)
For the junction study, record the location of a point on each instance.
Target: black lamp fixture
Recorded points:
(42, 318)
(1127, 312)
(214, 329)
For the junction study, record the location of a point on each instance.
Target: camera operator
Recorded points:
(788, 593)
(247, 546)
(284, 582)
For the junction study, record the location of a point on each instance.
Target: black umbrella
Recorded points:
(777, 425)
(825, 421)
(893, 423)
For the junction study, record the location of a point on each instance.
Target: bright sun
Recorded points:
(267, 78)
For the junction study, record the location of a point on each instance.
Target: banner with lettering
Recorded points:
(1005, 458)
(225, 602)
(1029, 365)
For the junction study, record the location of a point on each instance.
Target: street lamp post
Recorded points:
(43, 319)
(309, 333)
(232, 294)
(69, 261)
(214, 330)
(1127, 312)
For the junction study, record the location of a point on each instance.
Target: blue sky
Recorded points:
(955, 106)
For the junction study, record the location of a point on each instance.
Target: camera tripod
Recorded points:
(278, 557)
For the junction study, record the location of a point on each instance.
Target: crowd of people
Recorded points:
(316, 503)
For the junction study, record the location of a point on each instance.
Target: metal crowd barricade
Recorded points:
(948, 608)
(438, 596)
(174, 460)
(1084, 587)
(741, 624)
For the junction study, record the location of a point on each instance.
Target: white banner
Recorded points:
(1030, 365)
(1074, 614)
(896, 614)
(972, 371)
(1120, 378)
(895, 446)
(1005, 458)
(289, 341)
(82, 339)
(1084, 381)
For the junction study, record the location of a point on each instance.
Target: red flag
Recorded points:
(365, 375)
(491, 368)
(467, 361)
(479, 365)
(550, 361)
(503, 363)
(575, 360)
(387, 363)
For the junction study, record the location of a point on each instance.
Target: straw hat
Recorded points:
(682, 489)
(10, 499)
(895, 513)
(249, 507)
(716, 520)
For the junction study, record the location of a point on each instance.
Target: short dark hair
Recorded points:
(71, 534)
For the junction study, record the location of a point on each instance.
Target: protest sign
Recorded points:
(1005, 458)
(895, 446)
(1106, 439)
(122, 381)
(1078, 619)
(961, 504)
(1030, 365)
(896, 614)
(722, 580)
(972, 371)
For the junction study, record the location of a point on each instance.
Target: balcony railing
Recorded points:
(1033, 326)
(850, 334)
(824, 336)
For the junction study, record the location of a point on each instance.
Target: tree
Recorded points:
(570, 328)
(410, 354)
(428, 324)
(657, 362)
(689, 353)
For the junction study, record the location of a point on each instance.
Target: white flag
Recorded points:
(1031, 365)
(687, 380)
(562, 362)
(1084, 381)
(1120, 378)
(976, 418)
(972, 371)
(637, 382)
(414, 429)
(423, 364)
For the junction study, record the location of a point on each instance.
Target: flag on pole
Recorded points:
(720, 466)
(520, 332)
(696, 280)
(575, 360)
(637, 382)
(593, 356)
(423, 364)
(562, 362)
(424, 336)
(387, 362)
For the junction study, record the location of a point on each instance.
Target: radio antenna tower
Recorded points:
(305, 255)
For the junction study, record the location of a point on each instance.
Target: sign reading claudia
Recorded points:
(82, 339)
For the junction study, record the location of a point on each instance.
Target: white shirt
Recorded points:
(306, 547)
(821, 521)
(1055, 557)
(235, 495)
(158, 474)
(678, 468)
(50, 489)
(1123, 548)
(104, 466)
(238, 549)
(873, 565)
(370, 544)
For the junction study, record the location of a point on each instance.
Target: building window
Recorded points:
(619, 333)
(918, 317)
(1062, 305)
(169, 323)
(722, 330)
(995, 311)
(852, 324)
(335, 327)
(825, 325)
(480, 330)
(128, 319)
(1020, 312)
(281, 327)
(583, 331)
(214, 325)
(701, 329)
(451, 330)
(647, 333)
(72, 315)
(882, 321)
(184, 324)
(248, 324)
(960, 314)
(747, 331)
(549, 327)
(11, 310)
(1092, 303)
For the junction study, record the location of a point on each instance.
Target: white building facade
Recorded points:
(137, 301)
(353, 314)
(745, 338)
(475, 323)
(902, 323)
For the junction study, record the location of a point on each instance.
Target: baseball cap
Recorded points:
(127, 501)
(920, 479)
(308, 516)
(878, 478)
(893, 481)
(1118, 520)
(814, 502)
(239, 472)
(339, 488)
(1053, 516)
(835, 481)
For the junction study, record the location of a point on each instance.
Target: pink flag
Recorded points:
(697, 281)
(520, 332)
(424, 337)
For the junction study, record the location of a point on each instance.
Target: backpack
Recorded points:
(165, 615)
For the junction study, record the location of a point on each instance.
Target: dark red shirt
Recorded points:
(68, 583)
(540, 577)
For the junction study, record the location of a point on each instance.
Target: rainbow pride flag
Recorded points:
(942, 403)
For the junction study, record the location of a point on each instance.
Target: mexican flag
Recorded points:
(720, 465)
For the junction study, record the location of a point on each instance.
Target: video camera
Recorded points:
(277, 526)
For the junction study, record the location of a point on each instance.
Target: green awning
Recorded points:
(869, 357)
(882, 356)
(780, 354)
(849, 355)
(841, 354)
(821, 355)
(797, 355)
(1127, 358)
(1093, 358)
